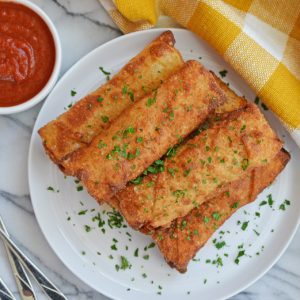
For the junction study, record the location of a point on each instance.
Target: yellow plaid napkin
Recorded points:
(259, 38)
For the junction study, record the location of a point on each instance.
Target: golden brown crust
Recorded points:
(240, 141)
(187, 235)
(77, 127)
(182, 102)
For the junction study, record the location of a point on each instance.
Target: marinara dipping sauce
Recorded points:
(27, 53)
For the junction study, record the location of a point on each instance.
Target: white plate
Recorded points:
(70, 240)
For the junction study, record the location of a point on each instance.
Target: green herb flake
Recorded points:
(139, 139)
(50, 188)
(79, 188)
(146, 257)
(87, 228)
(262, 203)
(105, 119)
(125, 263)
(216, 216)
(270, 200)
(206, 220)
(113, 247)
(115, 219)
(106, 73)
(101, 145)
(240, 254)
(220, 245)
(137, 180)
(245, 164)
(244, 225)
(100, 99)
(73, 93)
(183, 224)
(124, 90)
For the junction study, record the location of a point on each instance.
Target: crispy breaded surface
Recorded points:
(231, 103)
(145, 131)
(187, 235)
(205, 165)
(95, 112)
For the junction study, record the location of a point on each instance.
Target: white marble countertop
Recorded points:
(82, 26)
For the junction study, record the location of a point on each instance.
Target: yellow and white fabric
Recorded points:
(259, 38)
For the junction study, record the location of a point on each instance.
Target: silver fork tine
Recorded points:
(23, 283)
(5, 293)
(47, 286)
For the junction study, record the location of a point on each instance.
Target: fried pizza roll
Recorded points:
(145, 131)
(236, 143)
(94, 113)
(180, 242)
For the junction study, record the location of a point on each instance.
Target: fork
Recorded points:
(5, 293)
(46, 285)
(23, 283)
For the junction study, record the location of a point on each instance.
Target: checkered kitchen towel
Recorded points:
(259, 38)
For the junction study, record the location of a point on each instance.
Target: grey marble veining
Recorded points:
(82, 26)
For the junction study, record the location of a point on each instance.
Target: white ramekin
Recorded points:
(56, 69)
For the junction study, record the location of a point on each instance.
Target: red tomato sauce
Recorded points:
(27, 53)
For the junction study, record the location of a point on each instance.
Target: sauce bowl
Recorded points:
(56, 67)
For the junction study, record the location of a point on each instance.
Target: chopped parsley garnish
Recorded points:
(73, 93)
(139, 139)
(137, 180)
(106, 73)
(216, 216)
(186, 172)
(136, 252)
(235, 205)
(220, 245)
(124, 264)
(146, 257)
(282, 205)
(50, 188)
(262, 203)
(152, 100)
(131, 95)
(82, 212)
(105, 119)
(101, 145)
(100, 99)
(171, 152)
(245, 164)
(206, 220)
(87, 228)
(270, 200)
(183, 224)
(240, 254)
(256, 100)
(79, 188)
(124, 90)
(245, 225)
(113, 247)
(223, 73)
(151, 245)
(115, 219)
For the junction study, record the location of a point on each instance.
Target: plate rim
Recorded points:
(73, 270)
